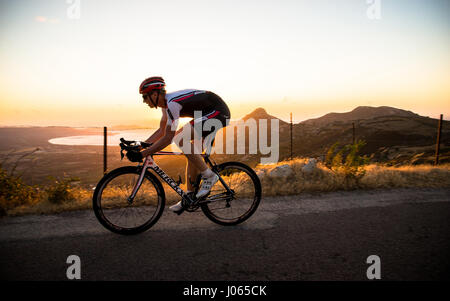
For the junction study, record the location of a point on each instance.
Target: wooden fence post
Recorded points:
(353, 126)
(291, 135)
(105, 150)
(438, 141)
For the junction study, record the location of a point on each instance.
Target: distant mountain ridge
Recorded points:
(360, 113)
(390, 134)
(261, 113)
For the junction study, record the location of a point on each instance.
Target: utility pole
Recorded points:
(105, 149)
(353, 125)
(438, 141)
(291, 135)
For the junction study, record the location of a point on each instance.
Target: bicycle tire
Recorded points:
(100, 207)
(256, 198)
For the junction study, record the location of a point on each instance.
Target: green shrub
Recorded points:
(348, 162)
(14, 192)
(61, 191)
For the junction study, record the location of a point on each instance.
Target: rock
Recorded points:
(260, 173)
(310, 166)
(281, 171)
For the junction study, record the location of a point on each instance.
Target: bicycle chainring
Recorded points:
(192, 208)
(189, 207)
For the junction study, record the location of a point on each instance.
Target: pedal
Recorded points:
(179, 180)
(184, 206)
(179, 211)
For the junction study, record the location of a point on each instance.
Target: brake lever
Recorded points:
(145, 144)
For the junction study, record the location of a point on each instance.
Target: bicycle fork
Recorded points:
(139, 181)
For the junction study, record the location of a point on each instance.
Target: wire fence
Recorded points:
(321, 156)
(354, 138)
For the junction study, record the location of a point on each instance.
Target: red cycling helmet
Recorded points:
(152, 83)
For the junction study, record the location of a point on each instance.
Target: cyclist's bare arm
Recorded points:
(161, 143)
(159, 132)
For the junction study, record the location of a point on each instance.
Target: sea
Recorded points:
(113, 138)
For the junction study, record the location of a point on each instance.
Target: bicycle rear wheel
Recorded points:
(237, 203)
(119, 215)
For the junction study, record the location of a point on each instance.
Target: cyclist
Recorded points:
(178, 104)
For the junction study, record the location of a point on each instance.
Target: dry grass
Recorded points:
(321, 179)
(406, 176)
(83, 200)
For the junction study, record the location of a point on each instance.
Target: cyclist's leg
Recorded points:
(210, 123)
(192, 150)
(191, 175)
(195, 163)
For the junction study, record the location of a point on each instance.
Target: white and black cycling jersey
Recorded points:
(184, 103)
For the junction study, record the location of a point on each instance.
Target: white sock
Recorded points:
(207, 173)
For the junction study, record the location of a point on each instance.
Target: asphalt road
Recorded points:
(308, 237)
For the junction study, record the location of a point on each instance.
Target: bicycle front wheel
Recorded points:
(114, 209)
(235, 197)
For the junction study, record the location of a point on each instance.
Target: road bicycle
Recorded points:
(130, 199)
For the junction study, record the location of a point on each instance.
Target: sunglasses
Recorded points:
(144, 96)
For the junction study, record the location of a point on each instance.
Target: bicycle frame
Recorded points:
(150, 163)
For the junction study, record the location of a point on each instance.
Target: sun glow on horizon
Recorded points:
(305, 57)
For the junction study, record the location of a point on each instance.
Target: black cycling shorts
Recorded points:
(204, 128)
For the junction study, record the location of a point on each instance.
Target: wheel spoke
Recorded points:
(114, 210)
(233, 209)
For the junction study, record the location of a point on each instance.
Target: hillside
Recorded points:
(261, 113)
(399, 137)
(392, 135)
(359, 113)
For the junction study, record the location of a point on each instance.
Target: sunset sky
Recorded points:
(63, 66)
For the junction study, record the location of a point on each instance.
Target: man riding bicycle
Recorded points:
(178, 104)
